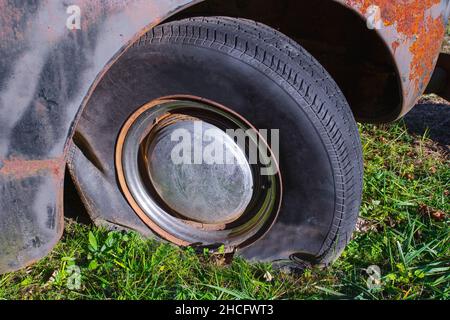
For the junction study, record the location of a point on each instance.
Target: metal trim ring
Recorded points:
(261, 214)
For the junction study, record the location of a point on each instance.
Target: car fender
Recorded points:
(52, 56)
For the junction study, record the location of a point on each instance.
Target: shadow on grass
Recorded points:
(433, 119)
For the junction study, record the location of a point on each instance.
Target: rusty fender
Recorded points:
(413, 30)
(48, 71)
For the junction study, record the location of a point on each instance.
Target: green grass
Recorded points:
(404, 230)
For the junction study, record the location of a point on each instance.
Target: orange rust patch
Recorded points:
(425, 49)
(395, 45)
(21, 169)
(410, 20)
(408, 15)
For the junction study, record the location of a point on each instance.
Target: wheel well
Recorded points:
(356, 57)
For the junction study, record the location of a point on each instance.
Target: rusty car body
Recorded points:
(382, 53)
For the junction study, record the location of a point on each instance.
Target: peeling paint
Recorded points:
(373, 16)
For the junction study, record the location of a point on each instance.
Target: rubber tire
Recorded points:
(275, 84)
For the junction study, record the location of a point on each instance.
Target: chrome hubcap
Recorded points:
(210, 193)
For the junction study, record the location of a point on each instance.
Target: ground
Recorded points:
(404, 230)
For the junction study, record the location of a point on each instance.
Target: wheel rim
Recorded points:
(201, 202)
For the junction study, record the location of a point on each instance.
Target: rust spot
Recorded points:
(21, 169)
(395, 45)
